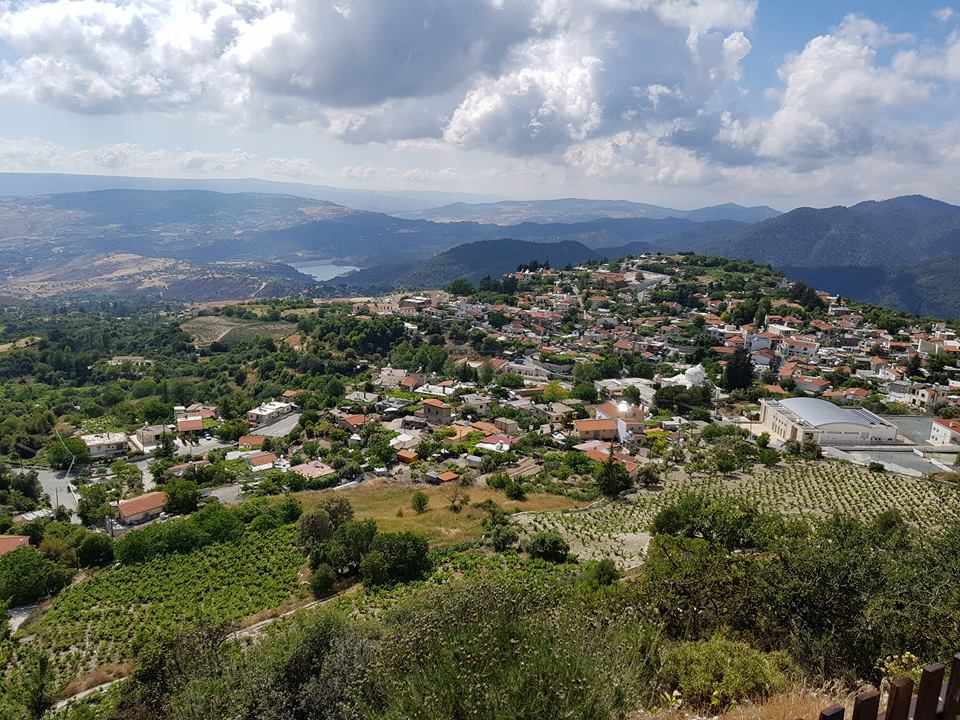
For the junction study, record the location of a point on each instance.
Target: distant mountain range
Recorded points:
(573, 210)
(26, 184)
(903, 252)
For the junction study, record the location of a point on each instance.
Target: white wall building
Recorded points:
(105, 445)
(822, 422)
(945, 432)
(270, 411)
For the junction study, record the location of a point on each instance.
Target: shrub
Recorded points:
(600, 573)
(419, 502)
(503, 537)
(718, 672)
(514, 491)
(548, 545)
(95, 550)
(323, 581)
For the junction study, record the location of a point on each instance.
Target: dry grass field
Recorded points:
(389, 504)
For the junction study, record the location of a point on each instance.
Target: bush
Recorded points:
(718, 672)
(419, 502)
(548, 545)
(95, 550)
(514, 491)
(503, 537)
(600, 573)
(323, 581)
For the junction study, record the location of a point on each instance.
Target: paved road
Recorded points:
(914, 427)
(280, 428)
(201, 448)
(56, 485)
(227, 494)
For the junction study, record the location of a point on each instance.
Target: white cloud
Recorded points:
(944, 14)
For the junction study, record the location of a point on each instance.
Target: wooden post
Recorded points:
(866, 706)
(898, 704)
(951, 698)
(834, 712)
(928, 697)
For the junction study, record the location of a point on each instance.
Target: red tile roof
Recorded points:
(150, 502)
(9, 543)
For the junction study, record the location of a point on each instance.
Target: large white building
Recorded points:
(822, 422)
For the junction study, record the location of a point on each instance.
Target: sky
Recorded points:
(675, 102)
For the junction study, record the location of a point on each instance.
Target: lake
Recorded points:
(321, 270)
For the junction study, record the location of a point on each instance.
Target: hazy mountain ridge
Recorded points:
(476, 260)
(576, 210)
(28, 184)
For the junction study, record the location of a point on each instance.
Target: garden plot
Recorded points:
(807, 489)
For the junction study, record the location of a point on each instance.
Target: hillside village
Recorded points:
(560, 408)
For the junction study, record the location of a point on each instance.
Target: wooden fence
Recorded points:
(934, 700)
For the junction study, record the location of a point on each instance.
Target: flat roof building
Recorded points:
(822, 422)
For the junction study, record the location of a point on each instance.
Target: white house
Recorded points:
(945, 432)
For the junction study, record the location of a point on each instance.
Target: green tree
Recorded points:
(738, 373)
(612, 477)
(395, 558)
(183, 496)
(548, 545)
(323, 581)
(64, 451)
(27, 576)
(314, 528)
(93, 506)
(95, 550)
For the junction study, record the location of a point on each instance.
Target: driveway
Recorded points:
(280, 428)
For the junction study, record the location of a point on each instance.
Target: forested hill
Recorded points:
(901, 252)
(474, 261)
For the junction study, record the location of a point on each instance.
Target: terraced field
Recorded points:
(207, 329)
(807, 489)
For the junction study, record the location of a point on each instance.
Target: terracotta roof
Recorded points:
(951, 425)
(407, 456)
(448, 476)
(262, 459)
(9, 543)
(150, 502)
(440, 404)
(315, 469)
(253, 441)
(190, 424)
(594, 425)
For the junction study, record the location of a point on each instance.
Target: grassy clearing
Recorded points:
(807, 489)
(381, 501)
